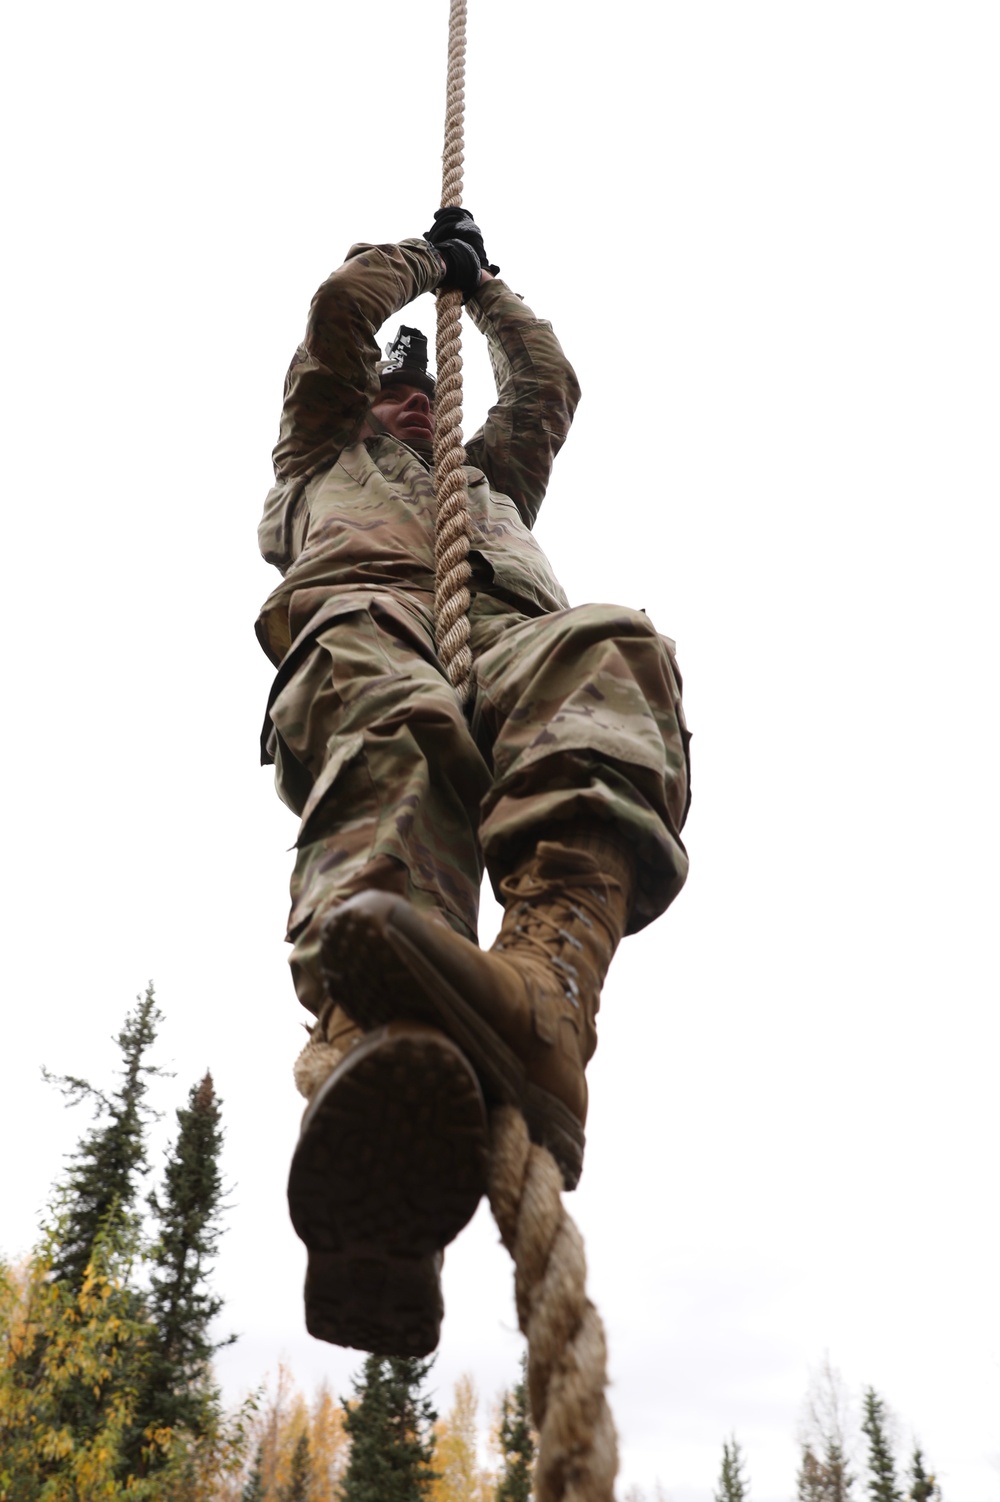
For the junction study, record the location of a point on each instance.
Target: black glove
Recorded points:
(463, 268)
(458, 224)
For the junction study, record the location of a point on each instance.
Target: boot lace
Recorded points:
(538, 924)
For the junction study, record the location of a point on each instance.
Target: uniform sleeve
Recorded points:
(332, 379)
(537, 394)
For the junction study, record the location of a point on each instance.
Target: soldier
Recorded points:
(566, 774)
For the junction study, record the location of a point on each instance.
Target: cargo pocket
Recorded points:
(354, 796)
(336, 834)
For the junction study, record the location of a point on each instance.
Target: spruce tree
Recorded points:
(517, 1443)
(297, 1489)
(253, 1491)
(179, 1393)
(923, 1487)
(882, 1483)
(390, 1426)
(733, 1485)
(111, 1158)
(113, 1376)
(95, 1207)
(67, 1397)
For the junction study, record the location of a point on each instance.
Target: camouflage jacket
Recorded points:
(343, 512)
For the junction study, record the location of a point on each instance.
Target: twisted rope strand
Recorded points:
(454, 117)
(453, 533)
(567, 1355)
(453, 530)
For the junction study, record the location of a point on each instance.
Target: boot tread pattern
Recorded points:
(390, 1165)
(389, 1306)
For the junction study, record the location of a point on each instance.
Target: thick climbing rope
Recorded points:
(567, 1354)
(453, 528)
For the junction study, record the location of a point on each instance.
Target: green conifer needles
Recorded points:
(390, 1424)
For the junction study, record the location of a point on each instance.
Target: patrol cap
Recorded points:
(405, 363)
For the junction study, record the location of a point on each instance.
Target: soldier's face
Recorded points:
(407, 413)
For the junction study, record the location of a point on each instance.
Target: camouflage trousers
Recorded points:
(574, 716)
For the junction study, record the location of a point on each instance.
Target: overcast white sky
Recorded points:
(768, 235)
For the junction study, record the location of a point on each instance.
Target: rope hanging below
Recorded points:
(567, 1354)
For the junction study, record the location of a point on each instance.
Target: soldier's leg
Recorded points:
(581, 711)
(374, 755)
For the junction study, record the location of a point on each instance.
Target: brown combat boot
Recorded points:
(390, 1165)
(524, 1012)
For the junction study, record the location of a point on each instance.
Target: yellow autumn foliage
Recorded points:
(460, 1478)
(70, 1364)
(283, 1415)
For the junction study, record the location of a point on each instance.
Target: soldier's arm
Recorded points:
(332, 379)
(537, 394)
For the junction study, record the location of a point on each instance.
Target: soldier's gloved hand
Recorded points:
(462, 268)
(458, 224)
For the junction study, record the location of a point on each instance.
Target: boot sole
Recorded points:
(390, 1165)
(388, 1306)
(378, 974)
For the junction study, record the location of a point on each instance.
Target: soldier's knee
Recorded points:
(611, 621)
(608, 633)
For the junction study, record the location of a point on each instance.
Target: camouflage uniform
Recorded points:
(574, 712)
